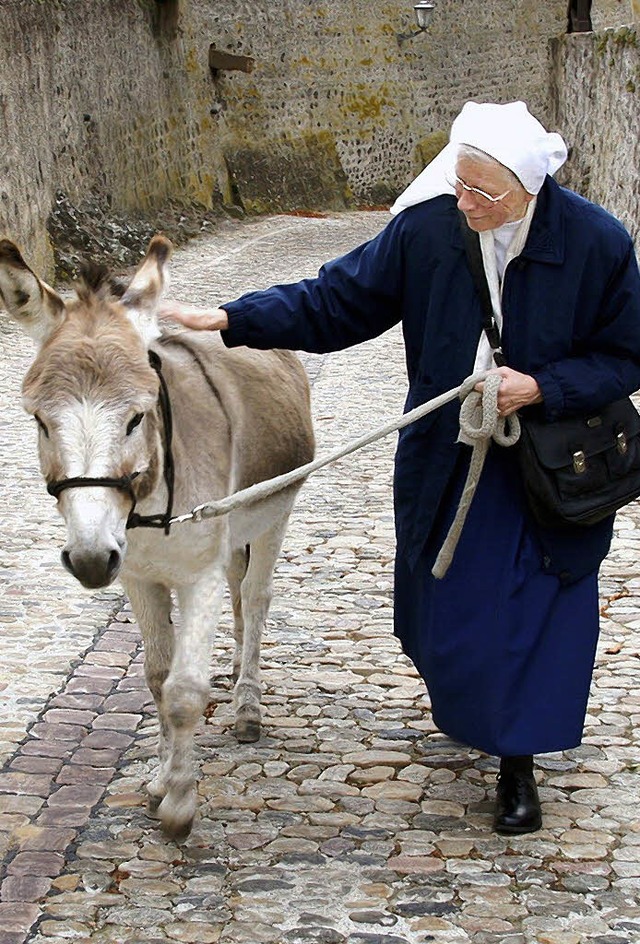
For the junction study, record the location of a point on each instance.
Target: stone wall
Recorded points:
(343, 69)
(597, 107)
(102, 106)
(614, 13)
(112, 124)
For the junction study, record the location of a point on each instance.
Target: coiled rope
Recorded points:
(480, 423)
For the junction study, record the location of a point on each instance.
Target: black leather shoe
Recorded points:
(517, 804)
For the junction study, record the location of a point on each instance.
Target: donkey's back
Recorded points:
(262, 396)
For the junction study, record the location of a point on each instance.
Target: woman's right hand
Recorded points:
(192, 316)
(515, 391)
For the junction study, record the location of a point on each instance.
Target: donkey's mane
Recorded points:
(96, 279)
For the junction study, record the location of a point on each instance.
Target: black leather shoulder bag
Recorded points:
(576, 470)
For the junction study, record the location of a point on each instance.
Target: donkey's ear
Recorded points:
(144, 291)
(29, 301)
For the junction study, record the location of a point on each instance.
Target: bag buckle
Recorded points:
(621, 442)
(579, 462)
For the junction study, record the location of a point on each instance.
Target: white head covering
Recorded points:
(509, 133)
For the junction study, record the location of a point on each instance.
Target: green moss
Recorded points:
(430, 147)
(622, 38)
(366, 106)
(192, 63)
(272, 175)
(630, 86)
(626, 36)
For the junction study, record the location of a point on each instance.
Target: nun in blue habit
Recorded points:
(506, 640)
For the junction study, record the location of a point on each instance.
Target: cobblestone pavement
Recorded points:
(352, 821)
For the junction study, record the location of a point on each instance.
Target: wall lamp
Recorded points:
(423, 10)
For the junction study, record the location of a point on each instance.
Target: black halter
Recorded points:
(124, 483)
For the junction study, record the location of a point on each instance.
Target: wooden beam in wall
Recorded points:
(225, 61)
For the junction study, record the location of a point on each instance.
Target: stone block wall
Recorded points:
(345, 69)
(109, 113)
(614, 13)
(597, 107)
(102, 105)
(111, 123)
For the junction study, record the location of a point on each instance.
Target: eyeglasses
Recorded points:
(457, 183)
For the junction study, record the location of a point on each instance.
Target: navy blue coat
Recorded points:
(571, 304)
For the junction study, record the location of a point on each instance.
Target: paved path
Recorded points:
(352, 821)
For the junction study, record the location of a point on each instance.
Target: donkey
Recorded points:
(134, 419)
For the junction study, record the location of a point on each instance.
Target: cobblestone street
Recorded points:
(352, 820)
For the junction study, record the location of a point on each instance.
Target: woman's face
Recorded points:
(495, 180)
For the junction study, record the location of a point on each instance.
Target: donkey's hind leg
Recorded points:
(236, 572)
(256, 592)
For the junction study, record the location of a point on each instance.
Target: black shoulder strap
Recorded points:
(471, 241)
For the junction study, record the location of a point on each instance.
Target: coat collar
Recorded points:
(546, 240)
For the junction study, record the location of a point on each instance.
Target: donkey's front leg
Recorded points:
(151, 603)
(185, 694)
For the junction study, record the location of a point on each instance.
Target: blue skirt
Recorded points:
(506, 651)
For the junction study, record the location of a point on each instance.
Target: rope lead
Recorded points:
(261, 490)
(479, 424)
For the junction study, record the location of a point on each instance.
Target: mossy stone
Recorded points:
(289, 173)
(429, 147)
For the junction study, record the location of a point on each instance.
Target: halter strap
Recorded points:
(124, 483)
(161, 520)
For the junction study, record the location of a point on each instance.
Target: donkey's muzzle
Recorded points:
(93, 570)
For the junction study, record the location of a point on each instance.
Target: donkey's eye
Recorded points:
(131, 425)
(41, 425)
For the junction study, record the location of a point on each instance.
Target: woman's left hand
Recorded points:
(516, 390)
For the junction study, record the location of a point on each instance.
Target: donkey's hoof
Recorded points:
(175, 831)
(247, 730)
(156, 791)
(176, 821)
(153, 802)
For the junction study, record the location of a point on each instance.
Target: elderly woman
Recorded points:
(506, 641)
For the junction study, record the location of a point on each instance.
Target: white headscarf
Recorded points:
(509, 133)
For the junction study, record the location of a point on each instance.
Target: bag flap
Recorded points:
(555, 443)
